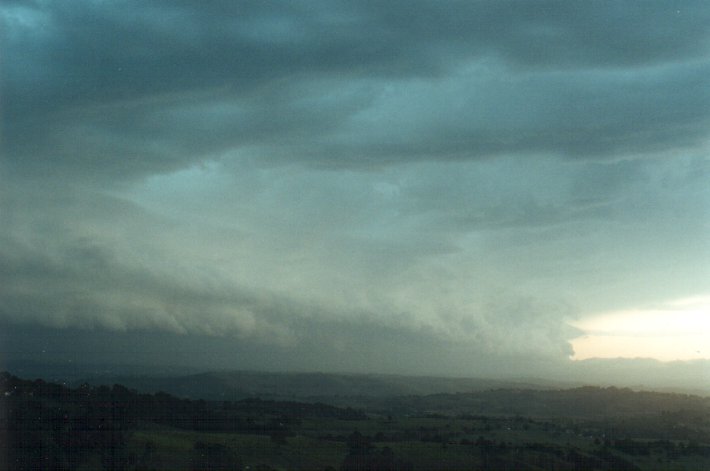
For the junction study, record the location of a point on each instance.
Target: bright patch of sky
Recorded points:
(676, 330)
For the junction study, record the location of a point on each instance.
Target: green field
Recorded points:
(421, 444)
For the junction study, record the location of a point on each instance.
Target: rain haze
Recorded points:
(515, 189)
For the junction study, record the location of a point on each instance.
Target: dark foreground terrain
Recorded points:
(50, 426)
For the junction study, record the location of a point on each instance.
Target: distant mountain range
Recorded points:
(414, 396)
(687, 378)
(234, 385)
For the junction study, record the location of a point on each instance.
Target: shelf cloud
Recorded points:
(466, 177)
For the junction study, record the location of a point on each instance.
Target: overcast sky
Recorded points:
(357, 186)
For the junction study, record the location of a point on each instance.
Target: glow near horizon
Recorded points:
(676, 330)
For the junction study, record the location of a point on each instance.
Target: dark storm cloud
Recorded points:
(101, 263)
(459, 178)
(124, 89)
(88, 285)
(84, 284)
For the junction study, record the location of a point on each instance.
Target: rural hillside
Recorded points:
(46, 425)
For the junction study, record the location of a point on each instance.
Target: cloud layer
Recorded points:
(466, 177)
(118, 91)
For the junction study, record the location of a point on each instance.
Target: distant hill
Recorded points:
(692, 376)
(688, 377)
(234, 385)
(76, 372)
(416, 396)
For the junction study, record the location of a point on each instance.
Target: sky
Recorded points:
(460, 188)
